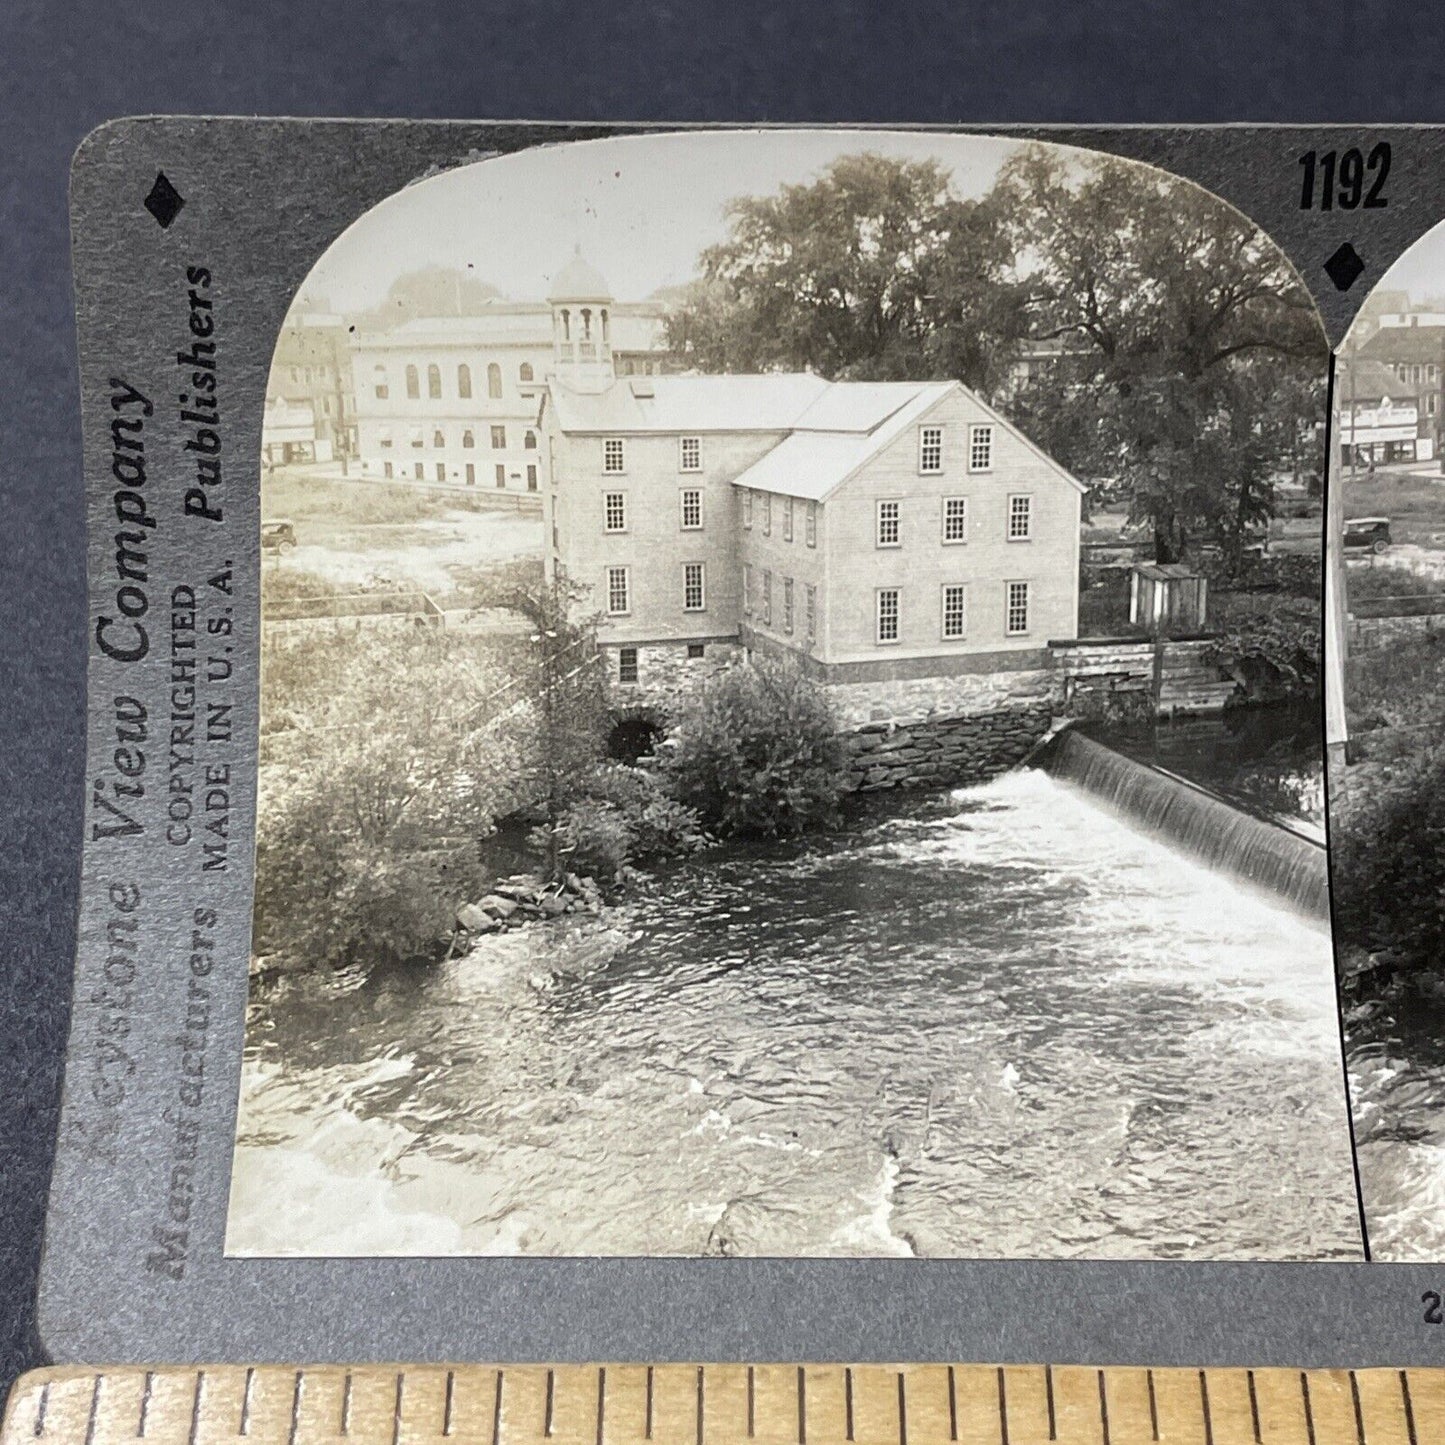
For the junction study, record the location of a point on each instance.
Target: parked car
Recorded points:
(278, 535)
(1367, 534)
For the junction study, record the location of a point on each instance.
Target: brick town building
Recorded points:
(453, 400)
(901, 539)
(1414, 354)
(311, 378)
(1380, 413)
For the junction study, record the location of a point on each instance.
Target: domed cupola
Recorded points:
(581, 303)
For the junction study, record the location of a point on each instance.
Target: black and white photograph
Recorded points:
(1387, 770)
(791, 717)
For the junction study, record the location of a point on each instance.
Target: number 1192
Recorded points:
(1338, 178)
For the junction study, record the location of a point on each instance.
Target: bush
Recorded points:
(756, 752)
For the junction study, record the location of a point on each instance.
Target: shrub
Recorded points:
(757, 752)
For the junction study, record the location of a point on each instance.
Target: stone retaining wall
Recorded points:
(941, 752)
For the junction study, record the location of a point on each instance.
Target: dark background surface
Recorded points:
(66, 68)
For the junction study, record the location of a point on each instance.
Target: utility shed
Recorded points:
(1167, 597)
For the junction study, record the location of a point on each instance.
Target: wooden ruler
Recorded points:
(725, 1405)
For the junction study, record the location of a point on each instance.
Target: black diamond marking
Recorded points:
(164, 201)
(1344, 268)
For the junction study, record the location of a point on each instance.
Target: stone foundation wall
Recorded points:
(940, 752)
(964, 696)
(665, 672)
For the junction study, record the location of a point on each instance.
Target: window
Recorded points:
(434, 382)
(810, 610)
(441, 471)
(765, 611)
(464, 382)
(887, 614)
(747, 589)
(787, 519)
(438, 439)
(418, 472)
(810, 526)
(469, 438)
(614, 511)
(747, 507)
(384, 441)
(499, 438)
(386, 470)
(888, 532)
(379, 384)
(613, 457)
(494, 381)
(532, 478)
(955, 519)
(501, 475)
(413, 383)
(1016, 608)
(524, 372)
(696, 649)
(980, 448)
(955, 609)
(930, 448)
(416, 438)
(627, 664)
(1020, 518)
(767, 514)
(619, 598)
(692, 587)
(691, 509)
(787, 604)
(529, 441)
(471, 474)
(690, 454)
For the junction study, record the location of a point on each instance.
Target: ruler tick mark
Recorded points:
(1409, 1408)
(1154, 1405)
(448, 1408)
(1208, 1417)
(296, 1406)
(952, 1406)
(1304, 1384)
(1049, 1393)
(396, 1410)
(1103, 1407)
(346, 1404)
(699, 1404)
(1253, 1408)
(245, 1427)
(551, 1401)
(601, 1401)
(42, 1405)
(647, 1424)
(1002, 1408)
(497, 1412)
(902, 1410)
(802, 1407)
(1359, 1413)
(848, 1403)
(94, 1409)
(752, 1404)
(145, 1404)
(196, 1407)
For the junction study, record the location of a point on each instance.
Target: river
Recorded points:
(994, 1023)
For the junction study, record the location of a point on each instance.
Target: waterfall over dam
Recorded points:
(1265, 854)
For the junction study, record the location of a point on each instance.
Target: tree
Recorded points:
(852, 276)
(1194, 355)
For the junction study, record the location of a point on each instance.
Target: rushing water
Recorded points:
(1003, 1024)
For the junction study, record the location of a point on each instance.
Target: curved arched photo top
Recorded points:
(682, 554)
(1386, 692)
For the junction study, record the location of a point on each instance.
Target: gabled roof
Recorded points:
(678, 404)
(1370, 381)
(1405, 343)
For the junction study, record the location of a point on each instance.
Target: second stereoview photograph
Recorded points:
(791, 718)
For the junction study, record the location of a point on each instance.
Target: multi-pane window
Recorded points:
(690, 454)
(888, 528)
(413, 383)
(930, 449)
(810, 526)
(691, 509)
(386, 470)
(439, 439)
(469, 439)
(692, 587)
(955, 519)
(464, 382)
(434, 382)
(380, 385)
(810, 610)
(494, 381)
(887, 614)
(1020, 518)
(471, 474)
(418, 471)
(619, 598)
(532, 478)
(613, 457)
(747, 589)
(787, 604)
(614, 511)
(747, 507)
(955, 609)
(499, 438)
(529, 441)
(696, 650)
(627, 664)
(765, 611)
(767, 514)
(980, 448)
(1016, 608)
(441, 471)
(501, 475)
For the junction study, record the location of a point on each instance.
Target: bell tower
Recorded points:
(581, 303)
